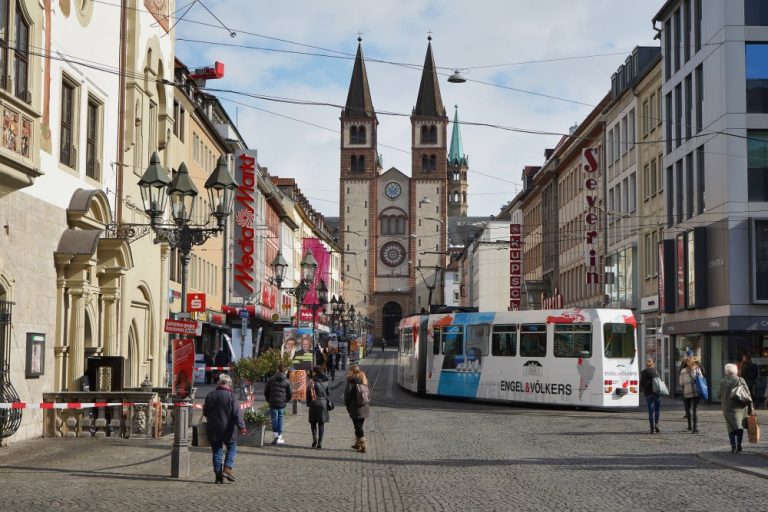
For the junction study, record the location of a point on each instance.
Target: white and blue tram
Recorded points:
(579, 357)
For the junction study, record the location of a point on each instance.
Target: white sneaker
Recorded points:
(280, 439)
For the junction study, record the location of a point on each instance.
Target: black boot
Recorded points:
(219, 478)
(689, 423)
(314, 437)
(319, 443)
(651, 429)
(695, 430)
(656, 428)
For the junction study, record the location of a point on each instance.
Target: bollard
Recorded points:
(180, 453)
(295, 407)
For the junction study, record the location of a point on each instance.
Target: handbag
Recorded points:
(753, 429)
(740, 394)
(200, 435)
(328, 403)
(701, 386)
(659, 387)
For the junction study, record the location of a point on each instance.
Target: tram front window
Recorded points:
(619, 340)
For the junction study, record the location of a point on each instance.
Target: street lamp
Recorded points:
(156, 187)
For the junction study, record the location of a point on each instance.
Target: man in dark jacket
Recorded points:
(277, 393)
(224, 421)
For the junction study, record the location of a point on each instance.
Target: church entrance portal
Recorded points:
(392, 313)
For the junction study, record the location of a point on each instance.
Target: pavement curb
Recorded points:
(756, 470)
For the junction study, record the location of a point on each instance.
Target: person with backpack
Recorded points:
(652, 396)
(688, 377)
(277, 393)
(357, 398)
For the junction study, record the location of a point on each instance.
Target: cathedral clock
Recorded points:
(393, 190)
(392, 254)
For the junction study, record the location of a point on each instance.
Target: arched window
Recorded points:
(455, 197)
(353, 167)
(424, 134)
(392, 222)
(465, 197)
(424, 163)
(433, 134)
(432, 162)
(361, 135)
(361, 163)
(353, 134)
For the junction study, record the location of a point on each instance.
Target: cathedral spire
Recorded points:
(456, 154)
(429, 103)
(359, 102)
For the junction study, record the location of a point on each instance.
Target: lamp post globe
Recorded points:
(308, 267)
(154, 184)
(221, 187)
(183, 193)
(279, 266)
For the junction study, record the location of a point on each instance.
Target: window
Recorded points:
(669, 124)
(573, 340)
(631, 134)
(760, 259)
(624, 208)
(504, 341)
(358, 163)
(757, 77)
(659, 113)
(632, 192)
(687, 30)
(357, 135)
(757, 165)
(429, 134)
(609, 148)
(668, 49)
(477, 341)
(625, 131)
(176, 107)
(406, 341)
(21, 58)
(646, 115)
(647, 181)
(152, 141)
(67, 135)
(755, 13)
(619, 341)
(182, 121)
(652, 112)
(428, 162)
(93, 140)
(678, 115)
(361, 135)
(688, 106)
(533, 340)
(697, 21)
(699, 97)
(678, 41)
(670, 203)
(689, 187)
(679, 190)
(700, 183)
(654, 183)
(4, 13)
(452, 342)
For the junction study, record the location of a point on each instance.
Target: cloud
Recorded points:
(465, 35)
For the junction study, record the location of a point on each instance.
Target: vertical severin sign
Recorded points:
(515, 266)
(244, 234)
(590, 165)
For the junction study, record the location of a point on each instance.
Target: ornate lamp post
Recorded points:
(182, 235)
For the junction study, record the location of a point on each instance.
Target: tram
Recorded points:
(577, 357)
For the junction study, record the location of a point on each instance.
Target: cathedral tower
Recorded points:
(359, 169)
(458, 164)
(428, 197)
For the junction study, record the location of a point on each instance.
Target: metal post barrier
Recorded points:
(180, 453)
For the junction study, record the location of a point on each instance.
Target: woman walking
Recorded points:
(317, 401)
(734, 412)
(357, 399)
(688, 377)
(652, 398)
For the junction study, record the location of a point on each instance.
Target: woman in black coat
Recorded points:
(653, 399)
(317, 401)
(357, 400)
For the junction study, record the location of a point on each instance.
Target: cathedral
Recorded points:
(393, 226)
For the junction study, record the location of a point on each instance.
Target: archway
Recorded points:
(391, 315)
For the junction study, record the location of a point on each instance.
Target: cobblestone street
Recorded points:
(424, 454)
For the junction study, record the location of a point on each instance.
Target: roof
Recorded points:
(359, 103)
(462, 230)
(429, 103)
(456, 155)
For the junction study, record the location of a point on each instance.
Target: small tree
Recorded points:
(267, 363)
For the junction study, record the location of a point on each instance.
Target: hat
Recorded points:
(689, 353)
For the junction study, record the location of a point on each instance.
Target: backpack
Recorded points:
(363, 394)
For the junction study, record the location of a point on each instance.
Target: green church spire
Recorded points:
(456, 155)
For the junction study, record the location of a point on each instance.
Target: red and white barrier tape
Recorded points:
(93, 405)
(220, 368)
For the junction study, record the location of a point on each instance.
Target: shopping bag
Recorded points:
(659, 387)
(753, 429)
(200, 435)
(701, 386)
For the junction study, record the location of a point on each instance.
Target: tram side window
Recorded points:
(619, 341)
(533, 340)
(452, 338)
(504, 341)
(406, 341)
(573, 340)
(477, 341)
(436, 341)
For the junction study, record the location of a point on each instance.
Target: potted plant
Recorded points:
(255, 423)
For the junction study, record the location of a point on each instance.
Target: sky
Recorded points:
(539, 65)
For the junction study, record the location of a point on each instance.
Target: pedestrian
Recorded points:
(357, 400)
(277, 393)
(317, 401)
(383, 344)
(652, 398)
(734, 412)
(748, 372)
(331, 363)
(688, 377)
(225, 420)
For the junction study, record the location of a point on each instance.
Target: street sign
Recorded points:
(244, 313)
(195, 302)
(180, 326)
